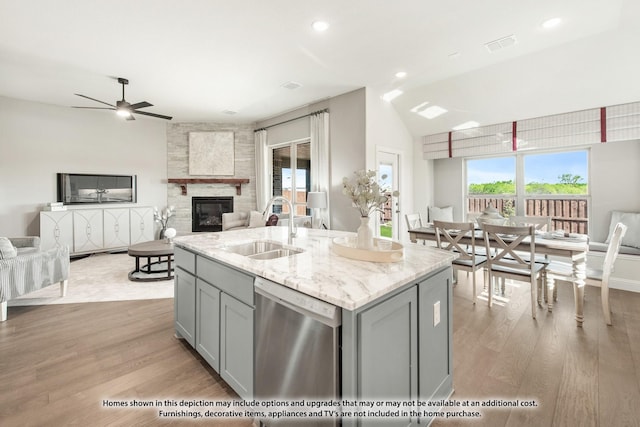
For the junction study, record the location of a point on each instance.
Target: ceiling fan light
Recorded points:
(123, 112)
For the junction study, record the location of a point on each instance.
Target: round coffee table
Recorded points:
(152, 271)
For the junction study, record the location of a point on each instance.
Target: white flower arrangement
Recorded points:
(163, 216)
(365, 192)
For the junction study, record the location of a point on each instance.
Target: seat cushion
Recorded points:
(7, 250)
(441, 214)
(632, 221)
(565, 269)
(467, 262)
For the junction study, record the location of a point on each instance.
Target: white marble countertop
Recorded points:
(319, 271)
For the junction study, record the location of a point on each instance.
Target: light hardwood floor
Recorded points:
(58, 362)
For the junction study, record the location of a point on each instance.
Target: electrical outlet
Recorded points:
(436, 313)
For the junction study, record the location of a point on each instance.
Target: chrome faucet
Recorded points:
(292, 228)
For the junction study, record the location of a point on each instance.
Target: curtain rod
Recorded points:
(326, 110)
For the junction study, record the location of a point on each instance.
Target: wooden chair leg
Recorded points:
(534, 296)
(63, 288)
(551, 285)
(604, 295)
(474, 285)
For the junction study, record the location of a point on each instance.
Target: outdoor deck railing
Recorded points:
(568, 214)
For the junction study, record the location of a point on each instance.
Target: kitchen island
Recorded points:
(394, 330)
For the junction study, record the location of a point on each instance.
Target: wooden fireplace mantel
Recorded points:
(182, 182)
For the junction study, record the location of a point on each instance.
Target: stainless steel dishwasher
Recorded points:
(297, 348)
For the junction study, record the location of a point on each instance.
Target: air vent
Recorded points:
(501, 43)
(291, 85)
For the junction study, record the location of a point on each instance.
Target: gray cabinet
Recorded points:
(396, 348)
(236, 345)
(214, 312)
(388, 353)
(184, 304)
(435, 340)
(208, 323)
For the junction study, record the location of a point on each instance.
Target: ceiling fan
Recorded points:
(124, 108)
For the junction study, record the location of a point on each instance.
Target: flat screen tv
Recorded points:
(78, 188)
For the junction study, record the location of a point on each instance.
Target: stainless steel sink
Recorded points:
(277, 253)
(261, 249)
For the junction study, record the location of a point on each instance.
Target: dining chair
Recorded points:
(506, 262)
(448, 237)
(541, 223)
(557, 270)
(414, 221)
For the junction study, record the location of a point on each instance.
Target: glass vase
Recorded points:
(365, 235)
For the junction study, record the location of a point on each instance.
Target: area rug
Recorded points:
(96, 278)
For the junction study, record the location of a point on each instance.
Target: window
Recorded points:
(291, 172)
(548, 184)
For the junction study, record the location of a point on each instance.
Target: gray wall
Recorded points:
(347, 146)
(178, 167)
(39, 140)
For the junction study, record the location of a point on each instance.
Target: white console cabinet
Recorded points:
(96, 230)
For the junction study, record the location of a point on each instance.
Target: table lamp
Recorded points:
(316, 200)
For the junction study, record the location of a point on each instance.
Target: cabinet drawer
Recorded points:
(228, 280)
(185, 259)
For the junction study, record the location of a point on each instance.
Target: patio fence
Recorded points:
(570, 215)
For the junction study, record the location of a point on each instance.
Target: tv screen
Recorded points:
(78, 188)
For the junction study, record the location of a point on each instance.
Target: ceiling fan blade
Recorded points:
(142, 104)
(160, 116)
(93, 99)
(94, 108)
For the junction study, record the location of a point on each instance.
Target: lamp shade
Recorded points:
(316, 200)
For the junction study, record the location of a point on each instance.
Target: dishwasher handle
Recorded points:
(321, 311)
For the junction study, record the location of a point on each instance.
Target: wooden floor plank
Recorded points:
(59, 362)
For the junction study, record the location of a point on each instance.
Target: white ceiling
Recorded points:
(195, 59)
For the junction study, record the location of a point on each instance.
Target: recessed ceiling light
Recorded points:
(401, 74)
(391, 95)
(550, 23)
(320, 26)
(229, 112)
(467, 125)
(432, 112)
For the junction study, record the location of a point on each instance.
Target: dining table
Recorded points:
(566, 245)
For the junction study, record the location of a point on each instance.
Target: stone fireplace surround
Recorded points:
(178, 167)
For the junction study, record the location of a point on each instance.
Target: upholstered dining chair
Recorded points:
(448, 237)
(557, 270)
(508, 263)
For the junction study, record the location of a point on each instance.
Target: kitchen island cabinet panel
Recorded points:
(227, 279)
(388, 353)
(236, 345)
(184, 303)
(436, 347)
(208, 323)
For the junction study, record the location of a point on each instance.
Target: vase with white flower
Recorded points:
(162, 217)
(368, 196)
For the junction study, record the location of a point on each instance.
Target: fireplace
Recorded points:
(206, 212)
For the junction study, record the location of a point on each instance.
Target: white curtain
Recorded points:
(263, 184)
(319, 124)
